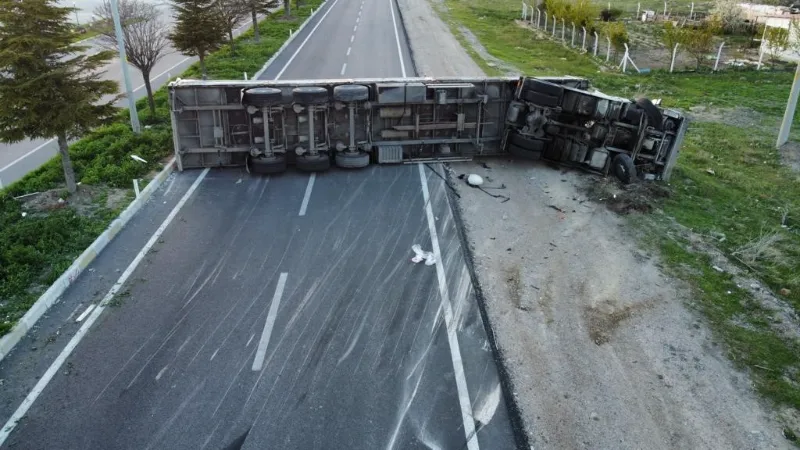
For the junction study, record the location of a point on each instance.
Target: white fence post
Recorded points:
(624, 62)
(524, 11)
(563, 27)
(638, 8)
(594, 51)
(530, 8)
(572, 44)
(583, 45)
(674, 53)
(691, 13)
(245, 76)
(665, 10)
(608, 50)
(788, 114)
(545, 21)
(538, 17)
(555, 22)
(719, 54)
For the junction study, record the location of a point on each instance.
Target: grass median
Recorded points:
(730, 189)
(43, 229)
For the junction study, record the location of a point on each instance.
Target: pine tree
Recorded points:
(199, 29)
(49, 88)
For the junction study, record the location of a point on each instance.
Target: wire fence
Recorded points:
(644, 51)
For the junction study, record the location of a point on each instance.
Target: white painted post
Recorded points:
(665, 10)
(524, 11)
(596, 37)
(545, 21)
(638, 9)
(761, 48)
(674, 53)
(719, 53)
(572, 44)
(788, 115)
(538, 17)
(625, 59)
(583, 45)
(290, 32)
(245, 76)
(691, 13)
(608, 50)
(555, 22)
(136, 187)
(563, 27)
(530, 8)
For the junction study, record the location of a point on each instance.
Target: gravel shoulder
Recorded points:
(601, 347)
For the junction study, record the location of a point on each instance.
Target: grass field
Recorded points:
(729, 182)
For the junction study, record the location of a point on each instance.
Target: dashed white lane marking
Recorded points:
(348, 50)
(250, 340)
(352, 38)
(213, 355)
(344, 67)
(258, 363)
(302, 44)
(85, 313)
(355, 28)
(358, 18)
(397, 39)
(447, 307)
(161, 372)
(79, 335)
(307, 196)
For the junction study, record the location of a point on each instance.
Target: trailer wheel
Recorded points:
(352, 160)
(310, 95)
(623, 168)
(315, 163)
(263, 97)
(525, 148)
(654, 117)
(348, 93)
(267, 165)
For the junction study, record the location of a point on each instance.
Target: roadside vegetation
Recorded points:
(43, 227)
(730, 196)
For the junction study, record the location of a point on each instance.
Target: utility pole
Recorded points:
(77, 20)
(125, 75)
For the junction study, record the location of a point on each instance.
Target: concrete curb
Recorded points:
(54, 292)
(288, 41)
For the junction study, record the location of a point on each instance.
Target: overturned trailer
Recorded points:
(313, 124)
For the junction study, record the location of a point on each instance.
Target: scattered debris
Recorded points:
(485, 166)
(710, 171)
(420, 255)
(139, 159)
(239, 181)
(785, 292)
(718, 269)
(24, 214)
(557, 208)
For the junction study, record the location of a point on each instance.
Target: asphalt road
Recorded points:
(284, 310)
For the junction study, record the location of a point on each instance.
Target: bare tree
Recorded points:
(232, 12)
(144, 34)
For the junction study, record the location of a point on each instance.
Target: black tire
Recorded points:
(351, 93)
(310, 95)
(623, 168)
(521, 153)
(532, 145)
(263, 97)
(542, 99)
(352, 160)
(267, 165)
(542, 87)
(318, 163)
(654, 117)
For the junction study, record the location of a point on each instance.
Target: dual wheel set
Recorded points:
(311, 101)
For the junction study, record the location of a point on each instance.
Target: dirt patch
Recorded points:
(603, 352)
(87, 201)
(790, 155)
(624, 199)
(737, 116)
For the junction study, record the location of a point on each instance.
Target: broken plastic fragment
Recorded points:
(420, 255)
(138, 158)
(474, 180)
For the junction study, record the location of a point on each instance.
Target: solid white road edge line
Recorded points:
(258, 362)
(452, 338)
(397, 39)
(84, 329)
(302, 44)
(309, 187)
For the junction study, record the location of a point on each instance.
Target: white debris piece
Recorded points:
(139, 158)
(421, 254)
(475, 180)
